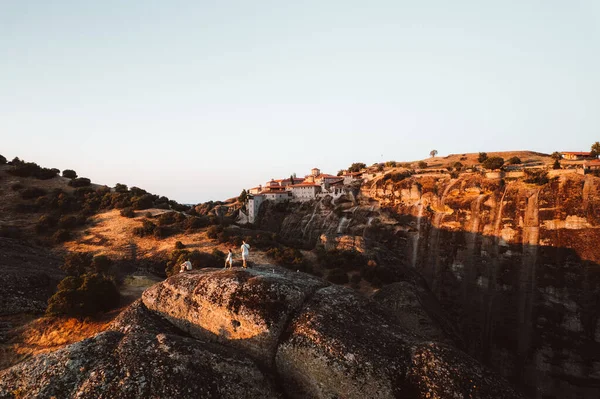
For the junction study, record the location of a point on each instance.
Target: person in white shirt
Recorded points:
(245, 253)
(229, 259)
(187, 265)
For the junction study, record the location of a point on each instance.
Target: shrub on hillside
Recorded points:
(396, 177)
(121, 188)
(482, 157)
(422, 164)
(167, 218)
(127, 212)
(514, 161)
(357, 167)
(193, 222)
(143, 202)
(30, 169)
(80, 182)
(69, 173)
(2, 160)
(146, 229)
(101, 264)
(493, 163)
(539, 177)
(556, 164)
(83, 296)
(286, 256)
(16, 186)
(179, 245)
(77, 263)
(32, 192)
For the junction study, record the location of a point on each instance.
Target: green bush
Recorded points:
(31, 169)
(514, 161)
(482, 157)
(357, 167)
(143, 202)
(167, 218)
(101, 264)
(286, 256)
(127, 212)
(121, 188)
(77, 263)
(69, 173)
(556, 165)
(422, 164)
(337, 276)
(80, 182)
(179, 245)
(493, 163)
(146, 229)
(539, 177)
(83, 296)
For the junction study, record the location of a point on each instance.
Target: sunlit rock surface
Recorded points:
(319, 341)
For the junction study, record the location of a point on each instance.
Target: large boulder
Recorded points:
(140, 356)
(344, 345)
(243, 308)
(264, 332)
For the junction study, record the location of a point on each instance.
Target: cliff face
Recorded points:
(258, 333)
(515, 265)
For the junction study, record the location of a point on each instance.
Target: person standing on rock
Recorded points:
(245, 253)
(229, 259)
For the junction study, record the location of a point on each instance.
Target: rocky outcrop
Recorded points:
(140, 356)
(245, 308)
(28, 277)
(505, 258)
(254, 333)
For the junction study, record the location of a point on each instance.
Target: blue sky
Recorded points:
(196, 100)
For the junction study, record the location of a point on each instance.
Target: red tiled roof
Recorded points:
(305, 185)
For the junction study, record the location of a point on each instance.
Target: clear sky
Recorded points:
(198, 99)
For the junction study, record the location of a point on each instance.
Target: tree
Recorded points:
(514, 161)
(244, 195)
(493, 163)
(458, 166)
(595, 149)
(2, 160)
(69, 173)
(556, 164)
(121, 188)
(422, 164)
(357, 167)
(482, 157)
(433, 153)
(556, 155)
